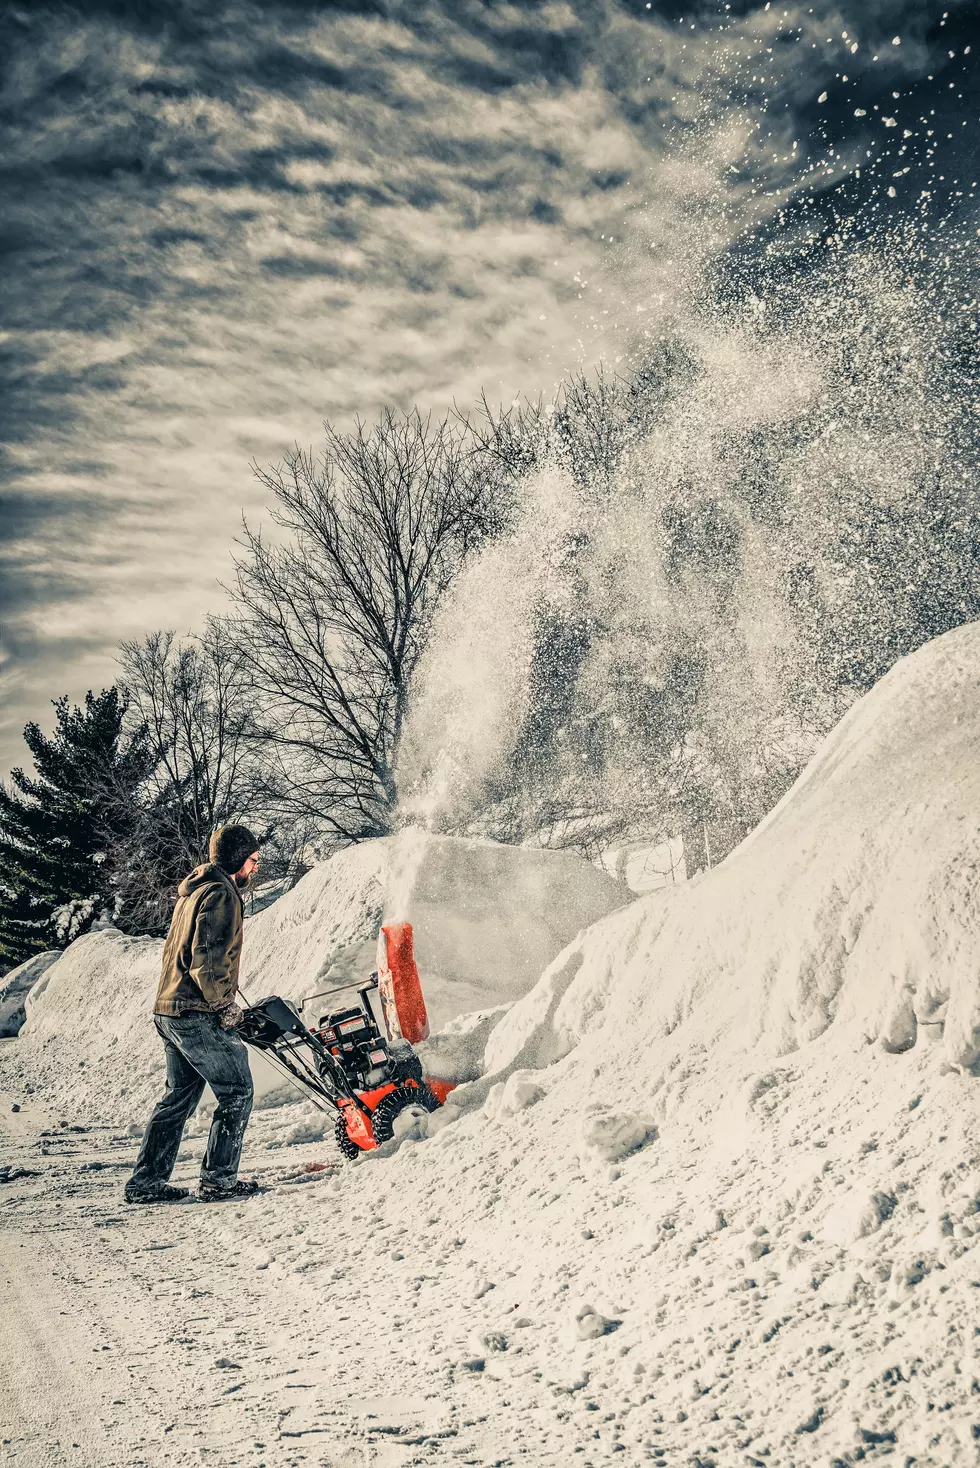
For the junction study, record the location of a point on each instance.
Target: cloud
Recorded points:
(223, 223)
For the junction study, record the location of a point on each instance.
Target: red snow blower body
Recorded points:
(366, 1075)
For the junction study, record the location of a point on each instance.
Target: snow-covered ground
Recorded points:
(715, 1199)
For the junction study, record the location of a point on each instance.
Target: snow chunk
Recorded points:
(611, 1135)
(517, 1093)
(857, 1215)
(590, 1325)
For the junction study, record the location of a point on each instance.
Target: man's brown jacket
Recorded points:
(204, 945)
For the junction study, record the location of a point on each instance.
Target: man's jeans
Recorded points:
(198, 1051)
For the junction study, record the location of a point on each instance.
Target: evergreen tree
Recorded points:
(59, 826)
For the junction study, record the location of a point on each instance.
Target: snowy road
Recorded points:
(131, 1337)
(59, 1392)
(426, 1308)
(134, 1337)
(113, 1317)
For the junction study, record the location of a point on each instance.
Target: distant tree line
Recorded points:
(712, 622)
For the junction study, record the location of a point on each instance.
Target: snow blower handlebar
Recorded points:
(357, 984)
(276, 1029)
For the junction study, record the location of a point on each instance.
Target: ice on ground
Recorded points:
(487, 919)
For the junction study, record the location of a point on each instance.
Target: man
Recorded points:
(196, 1012)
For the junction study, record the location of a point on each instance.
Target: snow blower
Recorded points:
(346, 1064)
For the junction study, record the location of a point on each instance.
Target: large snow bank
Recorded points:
(855, 904)
(487, 919)
(704, 1207)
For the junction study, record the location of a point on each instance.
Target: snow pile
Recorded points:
(15, 987)
(854, 904)
(487, 919)
(717, 1198)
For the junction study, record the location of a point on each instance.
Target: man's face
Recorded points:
(245, 873)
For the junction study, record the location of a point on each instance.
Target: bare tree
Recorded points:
(193, 696)
(590, 425)
(335, 612)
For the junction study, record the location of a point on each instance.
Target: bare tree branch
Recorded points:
(335, 612)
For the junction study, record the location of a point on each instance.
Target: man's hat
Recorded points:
(231, 846)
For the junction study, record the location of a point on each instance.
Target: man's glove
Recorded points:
(231, 1016)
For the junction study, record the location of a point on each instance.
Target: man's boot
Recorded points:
(162, 1193)
(244, 1188)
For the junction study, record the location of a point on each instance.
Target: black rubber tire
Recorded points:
(392, 1105)
(350, 1149)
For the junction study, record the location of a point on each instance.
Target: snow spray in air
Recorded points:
(698, 612)
(767, 501)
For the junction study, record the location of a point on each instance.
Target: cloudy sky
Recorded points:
(223, 223)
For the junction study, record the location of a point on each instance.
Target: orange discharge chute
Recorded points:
(399, 986)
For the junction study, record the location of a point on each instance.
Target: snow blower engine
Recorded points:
(347, 1065)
